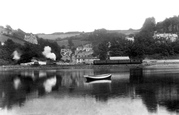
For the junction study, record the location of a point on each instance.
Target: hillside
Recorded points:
(57, 36)
(60, 35)
(126, 32)
(95, 37)
(4, 38)
(75, 42)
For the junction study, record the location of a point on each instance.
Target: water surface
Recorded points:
(66, 92)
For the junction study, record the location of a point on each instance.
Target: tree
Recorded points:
(103, 50)
(149, 25)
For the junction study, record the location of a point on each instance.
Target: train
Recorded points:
(113, 62)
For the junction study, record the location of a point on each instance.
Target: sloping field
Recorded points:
(4, 38)
(56, 36)
(126, 32)
(63, 43)
(75, 42)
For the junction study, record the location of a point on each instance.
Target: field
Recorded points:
(4, 38)
(75, 42)
(126, 32)
(57, 36)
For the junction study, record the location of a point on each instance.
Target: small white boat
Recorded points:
(98, 77)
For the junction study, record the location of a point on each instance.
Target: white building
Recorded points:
(130, 38)
(119, 58)
(31, 38)
(66, 54)
(165, 36)
(86, 60)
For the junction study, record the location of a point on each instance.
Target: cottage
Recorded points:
(31, 38)
(165, 36)
(86, 60)
(66, 54)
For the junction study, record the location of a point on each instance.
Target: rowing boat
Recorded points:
(98, 77)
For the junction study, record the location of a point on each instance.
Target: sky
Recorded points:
(49, 16)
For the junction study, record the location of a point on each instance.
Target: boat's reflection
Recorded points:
(98, 81)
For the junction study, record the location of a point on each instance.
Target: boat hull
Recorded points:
(93, 78)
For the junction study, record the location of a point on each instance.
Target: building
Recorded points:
(165, 36)
(130, 38)
(119, 58)
(31, 39)
(1, 29)
(86, 60)
(66, 54)
(84, 53)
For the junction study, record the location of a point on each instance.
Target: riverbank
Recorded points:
(20, 67)
(146, 64)
(172, 63)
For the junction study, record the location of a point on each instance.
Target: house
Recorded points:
(84, 53)
(31, 39)
(1, 29)
(6, 32)
(86, 60)
(119, 58)
(130, 38)
(165, 36)
(66, 54)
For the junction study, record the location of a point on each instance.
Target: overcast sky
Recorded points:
(48, 16)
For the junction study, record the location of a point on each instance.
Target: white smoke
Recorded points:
(2, 43)
(48, 54)
(16, 55)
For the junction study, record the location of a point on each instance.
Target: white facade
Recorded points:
(119, 58)
(130, 38)
(87, 60)
(66, 54)
(31, 38)
(166, 36)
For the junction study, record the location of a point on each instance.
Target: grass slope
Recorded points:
(126, 32)
(57, 36)
(4, 38)
(75, 42)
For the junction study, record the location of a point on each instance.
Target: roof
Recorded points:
(119, 58)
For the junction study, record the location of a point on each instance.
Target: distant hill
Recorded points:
(126, 32)
(75, 42)
(61, 35)
(94, 37)
(58, 35)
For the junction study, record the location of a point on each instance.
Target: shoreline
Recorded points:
(150, 65)
(20, 67)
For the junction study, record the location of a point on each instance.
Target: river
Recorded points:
(134, 91)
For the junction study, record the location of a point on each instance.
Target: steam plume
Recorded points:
(48, 54)
(2, 43)
(16, 55)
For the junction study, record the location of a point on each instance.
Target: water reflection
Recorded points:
(150, 89)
